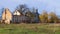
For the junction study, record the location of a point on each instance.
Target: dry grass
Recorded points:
(29, 29)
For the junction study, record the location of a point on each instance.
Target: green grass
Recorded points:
(29, 29)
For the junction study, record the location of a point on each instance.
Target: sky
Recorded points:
(48, 5)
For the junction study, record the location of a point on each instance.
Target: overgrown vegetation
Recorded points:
(29, 29)
(32, 16)
(44, 17)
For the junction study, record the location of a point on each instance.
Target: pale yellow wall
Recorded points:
(8, 15)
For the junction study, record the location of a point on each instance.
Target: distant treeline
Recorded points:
(44, 17)
(35, 17)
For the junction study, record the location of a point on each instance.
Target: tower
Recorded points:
(37, 15)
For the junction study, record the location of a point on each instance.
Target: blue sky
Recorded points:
(48, 5)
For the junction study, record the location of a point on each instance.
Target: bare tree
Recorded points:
(21, 8)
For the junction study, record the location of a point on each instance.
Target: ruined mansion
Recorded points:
(18, 17)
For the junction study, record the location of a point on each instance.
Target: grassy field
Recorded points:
(30, 29)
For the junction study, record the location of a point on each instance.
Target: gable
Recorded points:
(16, 13)
(6, 15)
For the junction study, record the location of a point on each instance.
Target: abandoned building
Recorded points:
(18, 17)
(6, 16)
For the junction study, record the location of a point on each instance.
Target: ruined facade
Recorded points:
(6, 16)
(19, 16)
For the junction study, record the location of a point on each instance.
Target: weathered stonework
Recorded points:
(6, 16)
